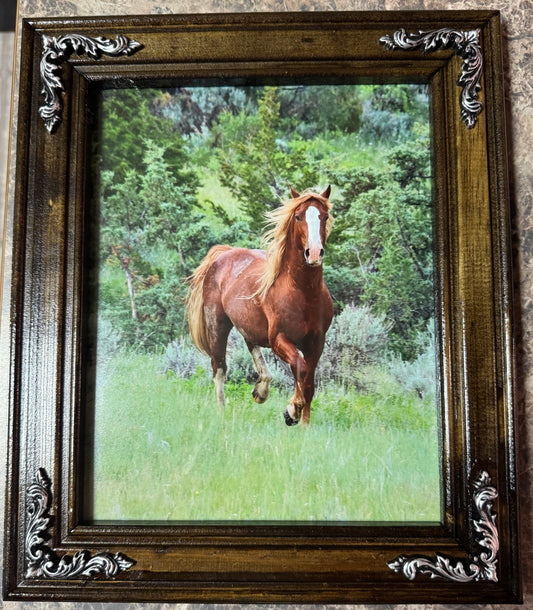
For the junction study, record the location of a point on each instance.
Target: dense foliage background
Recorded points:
(183, 169)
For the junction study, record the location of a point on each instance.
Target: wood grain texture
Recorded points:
(517, 20)
(7, 42)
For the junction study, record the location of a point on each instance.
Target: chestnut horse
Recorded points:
(275, 299)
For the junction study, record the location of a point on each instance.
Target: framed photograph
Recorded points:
(262, 341)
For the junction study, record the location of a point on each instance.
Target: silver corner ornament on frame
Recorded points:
(42, 561)
(482, 566)
(58, 50)
(465, 44)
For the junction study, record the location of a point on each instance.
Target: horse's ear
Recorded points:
(327, 192)
(294, 193)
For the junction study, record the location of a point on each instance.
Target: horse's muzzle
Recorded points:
(313, 257)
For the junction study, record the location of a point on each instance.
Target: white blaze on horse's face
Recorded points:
(315, 249)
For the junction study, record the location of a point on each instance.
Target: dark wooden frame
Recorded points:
(258, 562)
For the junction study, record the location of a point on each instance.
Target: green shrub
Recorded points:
(418, 375)
(241, 368)
(185, 360)
(357, 337)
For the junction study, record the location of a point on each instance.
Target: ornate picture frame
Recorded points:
(51, 552)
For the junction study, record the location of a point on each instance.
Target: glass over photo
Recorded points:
(261, 306)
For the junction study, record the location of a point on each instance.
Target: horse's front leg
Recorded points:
(287, 351)
(312, 356)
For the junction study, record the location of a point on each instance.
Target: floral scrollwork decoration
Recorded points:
(482, 566)
(57, 50)
(42, 561)
(465, 44)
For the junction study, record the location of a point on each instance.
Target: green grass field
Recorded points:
(163, 451)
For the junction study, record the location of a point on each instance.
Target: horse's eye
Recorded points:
(298, 218)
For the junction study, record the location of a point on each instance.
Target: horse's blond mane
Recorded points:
(275, 238)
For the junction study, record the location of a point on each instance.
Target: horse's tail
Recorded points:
(195, 299)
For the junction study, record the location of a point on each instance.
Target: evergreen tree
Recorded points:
(150, 230)
(380, 251)
(256, 164)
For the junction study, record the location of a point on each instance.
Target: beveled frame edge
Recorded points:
(69, 534)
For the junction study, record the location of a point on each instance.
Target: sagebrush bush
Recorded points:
(185, 360)
(420, 374)
(239, 360)
(356, 338)
(241, 368)
(108, 339)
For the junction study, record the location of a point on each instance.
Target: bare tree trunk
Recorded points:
(131, 291)
(124, 261)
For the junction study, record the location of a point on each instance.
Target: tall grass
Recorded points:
(162, 450)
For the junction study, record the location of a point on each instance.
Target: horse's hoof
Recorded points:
(257, 397)
(288, 419)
